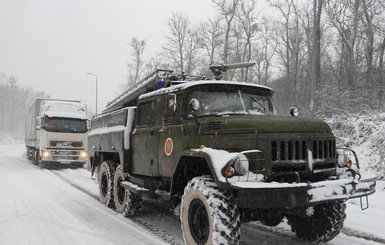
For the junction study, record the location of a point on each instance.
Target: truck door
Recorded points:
(171, 135)
(144, 141)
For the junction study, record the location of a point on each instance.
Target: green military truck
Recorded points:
(218, 152)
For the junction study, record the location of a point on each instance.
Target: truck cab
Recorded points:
(56, 133)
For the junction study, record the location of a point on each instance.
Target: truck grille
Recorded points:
(64, 153)
(295, 150)
(66, 143)
(290, 156)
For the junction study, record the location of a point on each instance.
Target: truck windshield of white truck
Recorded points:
(65, 125)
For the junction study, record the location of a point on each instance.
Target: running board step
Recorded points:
(138, 190)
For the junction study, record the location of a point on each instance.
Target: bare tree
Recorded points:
(227, 9)
(13, 105)
(292, 47)
(247, 15)
(371, 9)
(136, 66)
(174, 49)
(344, 16)
(210, 37)
(265, 49)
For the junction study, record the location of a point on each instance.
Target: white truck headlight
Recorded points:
(83, 154)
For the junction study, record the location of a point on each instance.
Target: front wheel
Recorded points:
(35, 156)
(209, 215)
(323, 224)
(106, 176)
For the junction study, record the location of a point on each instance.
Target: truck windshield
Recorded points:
(233, 100)
(65, 125)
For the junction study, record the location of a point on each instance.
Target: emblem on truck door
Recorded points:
(168, 146)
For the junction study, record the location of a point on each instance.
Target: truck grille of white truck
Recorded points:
(66, 143)
(66, 155)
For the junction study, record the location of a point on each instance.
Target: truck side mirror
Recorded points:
(194, 104)
(294, 111)
(171, 100)
(39, 121)
(88, 124)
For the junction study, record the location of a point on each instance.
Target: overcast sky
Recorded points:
(50, 45)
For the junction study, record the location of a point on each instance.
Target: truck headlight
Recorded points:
(83, 154)
(237, 166)
(45, 154)
(241, 164)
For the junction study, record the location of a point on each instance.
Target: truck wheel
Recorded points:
(132, 205)
(271, 217)
(209, 215)
(119, 191)
(325, 223)
(35, 156)
(106, 192)
(29, 154)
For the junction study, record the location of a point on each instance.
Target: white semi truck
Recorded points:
(56, 132)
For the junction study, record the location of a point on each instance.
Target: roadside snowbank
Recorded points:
(6, 139)
(365, 134)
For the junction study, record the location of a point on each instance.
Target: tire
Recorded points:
(106, 192)
(119, 191)
(29, 154)
(35, 156)
(271, 217)
(209, 215)
(325, 223)
(132, 205)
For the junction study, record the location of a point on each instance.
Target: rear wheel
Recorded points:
(106, 192)
(119, 191)
(132, 205)
(323, 225)
(209, 215)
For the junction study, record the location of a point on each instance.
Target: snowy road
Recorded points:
(37, 207)
(40, 206)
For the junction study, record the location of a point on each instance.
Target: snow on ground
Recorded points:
(38, 207)
(364, 133)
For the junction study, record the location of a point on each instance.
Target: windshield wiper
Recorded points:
(259, 103)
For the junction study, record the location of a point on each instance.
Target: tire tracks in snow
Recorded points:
(164, 235)
(360, 234)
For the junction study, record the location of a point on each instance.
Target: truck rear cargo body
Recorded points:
(56, 132)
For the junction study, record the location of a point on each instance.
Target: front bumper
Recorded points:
(63, 155)
(287, 195)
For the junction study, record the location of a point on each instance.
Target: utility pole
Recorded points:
(314, 62)
(96, 96)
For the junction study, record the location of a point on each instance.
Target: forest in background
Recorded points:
(14, 101)
(277, 35)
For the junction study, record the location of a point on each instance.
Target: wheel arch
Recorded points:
(101, 157)
(191, 164)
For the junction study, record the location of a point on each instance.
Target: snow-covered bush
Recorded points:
(365, 134)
